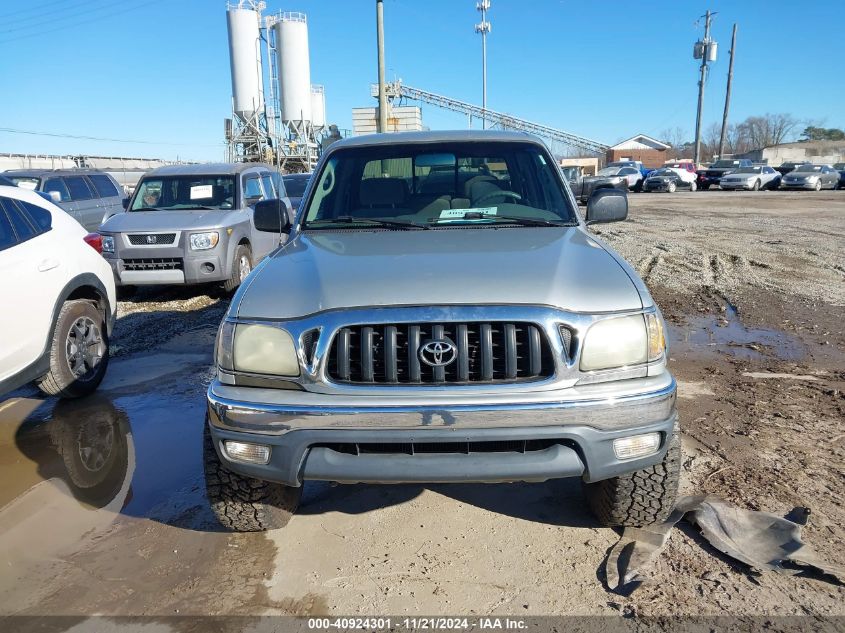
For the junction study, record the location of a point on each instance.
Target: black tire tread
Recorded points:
(643, 497)
(234, 279)
(53, 383)
(245, 504)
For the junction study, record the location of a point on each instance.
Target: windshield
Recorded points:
(663, 172)
(423, 185)
(809, 168)
(608, 171)
(749, 170)
(185, 192)
(25, 182)
(295, 185)
(839, 166)
(725, 163)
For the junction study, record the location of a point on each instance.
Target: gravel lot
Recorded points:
(751, 283)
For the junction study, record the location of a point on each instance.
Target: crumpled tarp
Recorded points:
(761, 540)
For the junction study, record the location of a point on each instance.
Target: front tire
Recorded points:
(79, 352)
(245, 504)
(671, 187)
(818, 186)
(241, 267)
(640, 498)
(756, 186)
(705, 187)
(692, 186)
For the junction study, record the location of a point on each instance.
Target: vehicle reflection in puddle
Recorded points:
(726, 334)
(140, 455)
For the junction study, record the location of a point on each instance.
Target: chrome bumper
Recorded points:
(303, 439)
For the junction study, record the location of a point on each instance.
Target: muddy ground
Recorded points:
(752, 284)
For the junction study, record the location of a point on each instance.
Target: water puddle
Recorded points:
(725, 334)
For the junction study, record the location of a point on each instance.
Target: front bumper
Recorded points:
(735, 185)
(322, 442)
(798, 185)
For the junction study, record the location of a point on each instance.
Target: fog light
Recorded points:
(246, 453)
(636, 445)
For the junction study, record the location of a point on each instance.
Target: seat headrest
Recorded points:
(383, 192)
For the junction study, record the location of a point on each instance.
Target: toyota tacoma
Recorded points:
(440, 312)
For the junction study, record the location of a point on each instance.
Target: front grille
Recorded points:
(454, 448)
(154, 263)
(484, 353)
(152, 239)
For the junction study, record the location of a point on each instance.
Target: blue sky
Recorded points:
(158, 70)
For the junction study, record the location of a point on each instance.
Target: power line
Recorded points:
(53, 14)
(39, 8)
(98, 138)
(66, 25)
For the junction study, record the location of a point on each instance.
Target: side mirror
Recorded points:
(271, 216)
(55, 196)
(125, 203)
(607, 205)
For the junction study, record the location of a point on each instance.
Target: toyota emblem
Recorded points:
(438, 352)
(151, 239)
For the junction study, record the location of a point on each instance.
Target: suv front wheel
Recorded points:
(245, 504)
(79, 351)
(640, 498)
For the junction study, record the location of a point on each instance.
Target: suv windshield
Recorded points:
(295, 184)
(749, 170)
(25, 182)
(184, 192)
(438, 183)
(725, 163)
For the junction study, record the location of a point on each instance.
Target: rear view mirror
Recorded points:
(56, 197)
(607, 205)
(271, 216)
(125, 203)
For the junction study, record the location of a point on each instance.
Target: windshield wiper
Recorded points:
(350, 219)
(477, 215)
(145, 209)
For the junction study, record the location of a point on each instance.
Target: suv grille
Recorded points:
(152, 239)
(154, 263)
(484, 353)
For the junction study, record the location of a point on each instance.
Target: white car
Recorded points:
(751, 178)
(58, 298)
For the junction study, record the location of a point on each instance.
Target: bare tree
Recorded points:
(769, 129)
(710, 139)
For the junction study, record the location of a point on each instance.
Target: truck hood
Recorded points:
(129, 221)
(326, 270)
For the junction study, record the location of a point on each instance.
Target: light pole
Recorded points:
(484, 28)
(382, 97)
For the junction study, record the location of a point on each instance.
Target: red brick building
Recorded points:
(650, 151)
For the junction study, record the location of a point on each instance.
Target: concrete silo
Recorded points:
(318, 107)
(249, 133)
(294, 70)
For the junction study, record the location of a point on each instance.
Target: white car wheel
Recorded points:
(671, 187)
(692, 186)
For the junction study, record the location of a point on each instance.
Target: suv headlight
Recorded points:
(204, 241)
(108, 244)
(623, 341)
(263, 349)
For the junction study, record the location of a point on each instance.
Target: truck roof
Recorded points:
(206, 169)
(438, 136)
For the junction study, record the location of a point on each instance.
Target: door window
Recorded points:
(104, 186)
(7, 235)
(21, 226)
(57, 184)
(252, 191)
(269, 189)
(78, 187)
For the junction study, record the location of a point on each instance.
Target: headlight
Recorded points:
(108, 244)
(811, 178)
(623, 341)
(263, 349)
(204, 241)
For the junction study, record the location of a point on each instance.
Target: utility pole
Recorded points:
(706, 51)
(728, 95)
(382, 97)
(484, 29)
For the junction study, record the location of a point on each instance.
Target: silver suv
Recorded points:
(440, 313)
(191, 224)
(88, 196)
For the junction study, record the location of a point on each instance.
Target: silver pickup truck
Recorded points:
(441, 313)
(192, 224)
